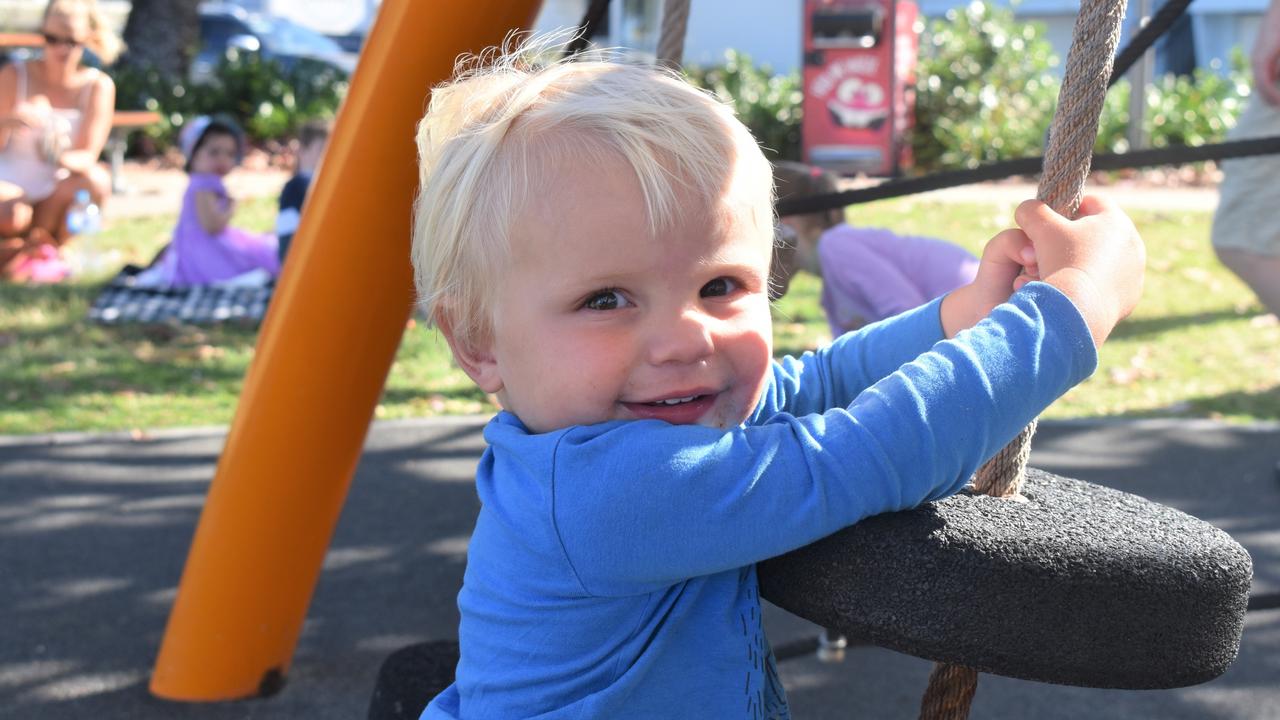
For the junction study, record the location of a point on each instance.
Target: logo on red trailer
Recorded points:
(851, 90)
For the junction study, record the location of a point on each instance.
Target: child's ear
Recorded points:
(474, 357)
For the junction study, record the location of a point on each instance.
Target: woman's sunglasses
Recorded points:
(69, 42)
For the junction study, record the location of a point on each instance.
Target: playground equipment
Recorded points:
(320, 365)
(292, 448)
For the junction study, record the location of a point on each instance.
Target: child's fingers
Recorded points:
(1033, 215)
(1037, 218)
(1006, 257)
(1009, 247)
(1096, 205)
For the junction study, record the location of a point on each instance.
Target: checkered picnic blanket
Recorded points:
(121, 302)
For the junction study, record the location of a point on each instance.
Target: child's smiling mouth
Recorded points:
(676, 401)
(677, 410)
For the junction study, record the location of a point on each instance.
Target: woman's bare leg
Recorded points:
(15, 213)
(15, 221)
(1260, 272)
(50, 214)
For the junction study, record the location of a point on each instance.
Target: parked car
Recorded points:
(224, 27)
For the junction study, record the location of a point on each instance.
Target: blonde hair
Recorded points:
(102, 39)
(503, 119)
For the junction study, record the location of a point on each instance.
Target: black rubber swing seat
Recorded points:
(1080, 585)
(410, 677)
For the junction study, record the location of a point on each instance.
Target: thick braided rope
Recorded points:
(675, 19)
(1066, 165)
(1002, 475)
(951, 689)
(1084, 89)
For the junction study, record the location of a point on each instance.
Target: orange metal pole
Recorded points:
(323, 355)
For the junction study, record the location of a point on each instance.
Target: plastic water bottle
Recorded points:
(84, 220)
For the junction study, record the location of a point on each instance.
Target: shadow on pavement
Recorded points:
(95, 532)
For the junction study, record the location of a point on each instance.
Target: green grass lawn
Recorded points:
(1198, 345)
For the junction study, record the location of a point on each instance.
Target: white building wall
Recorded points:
(1218, 29)
(769, 30)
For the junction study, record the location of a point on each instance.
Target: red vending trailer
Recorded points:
(859, 84)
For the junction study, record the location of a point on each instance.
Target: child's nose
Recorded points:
(686, 338)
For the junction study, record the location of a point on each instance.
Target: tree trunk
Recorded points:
(163, 35)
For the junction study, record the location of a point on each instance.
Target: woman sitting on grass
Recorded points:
(55, 116)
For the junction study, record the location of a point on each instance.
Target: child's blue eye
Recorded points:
(719, 287)
(606, 300)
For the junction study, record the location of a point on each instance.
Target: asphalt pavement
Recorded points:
(94, 531)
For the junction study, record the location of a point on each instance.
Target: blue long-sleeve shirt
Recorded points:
(611, 573)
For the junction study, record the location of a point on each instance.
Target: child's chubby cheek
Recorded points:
(750, 353)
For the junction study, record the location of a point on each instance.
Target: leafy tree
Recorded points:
(768, 104)
(985, 89)
(162, 36)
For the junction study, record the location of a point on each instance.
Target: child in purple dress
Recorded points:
(206, 249)
(868, 274)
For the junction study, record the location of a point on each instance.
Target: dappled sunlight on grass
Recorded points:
(1197, 346)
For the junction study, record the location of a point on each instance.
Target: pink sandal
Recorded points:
(41, 265)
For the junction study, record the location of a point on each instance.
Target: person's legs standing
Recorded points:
(1260, 272)
(1246, 226)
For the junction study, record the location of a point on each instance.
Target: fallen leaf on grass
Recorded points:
(209, 352)
(1197, 275)
(1137, 369)
(63, 368)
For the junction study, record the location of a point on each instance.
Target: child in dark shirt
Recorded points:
(313, 137)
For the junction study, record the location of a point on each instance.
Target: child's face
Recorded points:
(309, 156)
(594, 320)
(215, 156)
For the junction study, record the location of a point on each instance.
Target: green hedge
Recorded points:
(986, 90)
(767, 102)
(269, 101)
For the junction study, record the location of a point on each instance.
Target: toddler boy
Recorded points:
(593, 239)
(313, 136)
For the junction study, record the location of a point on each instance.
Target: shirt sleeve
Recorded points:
(293, 194)
(834, 375)
(641, 505)
(207, 182)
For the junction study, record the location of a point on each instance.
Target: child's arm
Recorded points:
(214, 211)
(643, 504)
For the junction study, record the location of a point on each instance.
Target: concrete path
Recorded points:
(94, 532)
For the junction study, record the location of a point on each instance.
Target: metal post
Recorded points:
(1140, 76)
